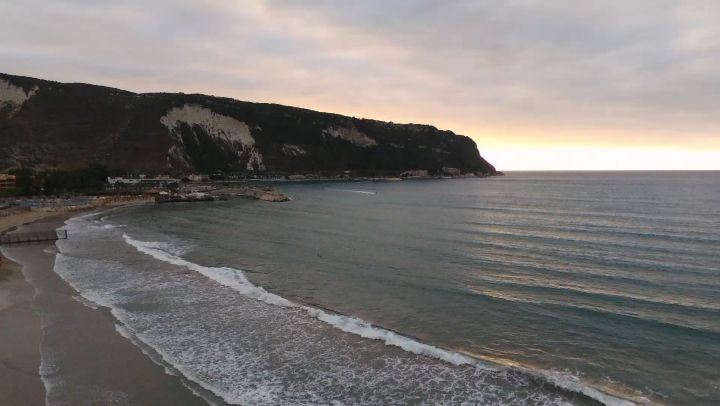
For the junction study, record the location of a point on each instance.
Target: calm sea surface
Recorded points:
(532, 288)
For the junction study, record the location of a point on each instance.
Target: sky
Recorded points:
(538, 84)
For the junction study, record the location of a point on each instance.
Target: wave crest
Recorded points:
(236, 280)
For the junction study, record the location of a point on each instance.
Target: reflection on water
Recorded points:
(609, 277)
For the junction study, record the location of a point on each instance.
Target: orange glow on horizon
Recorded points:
(600, 158)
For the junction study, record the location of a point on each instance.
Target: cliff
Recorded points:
(46, 124)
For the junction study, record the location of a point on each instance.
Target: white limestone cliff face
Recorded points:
(293, 150)
(351, 135)
(176, 157)
(218, 126)
(14, 96)
(255, 162)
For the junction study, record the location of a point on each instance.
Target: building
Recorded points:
(142, 182)
(198, 178)
(7, 182)
(415, 173)
(446, 170)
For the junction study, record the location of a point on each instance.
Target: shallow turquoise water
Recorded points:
(602, 280)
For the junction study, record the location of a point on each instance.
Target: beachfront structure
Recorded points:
(117, 182)
(198, 178)
(446, 170)
(7, 182)
(415, 173)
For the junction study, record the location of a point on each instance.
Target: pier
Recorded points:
(17, 238)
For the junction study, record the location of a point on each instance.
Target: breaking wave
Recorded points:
(235, 279)
(365, 192)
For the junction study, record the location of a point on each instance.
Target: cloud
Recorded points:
(614, 65)
(522, 71)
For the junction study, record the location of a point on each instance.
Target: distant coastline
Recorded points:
(179, 134)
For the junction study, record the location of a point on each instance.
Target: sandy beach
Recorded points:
(19, 340)
(20, 326)
(38, 310)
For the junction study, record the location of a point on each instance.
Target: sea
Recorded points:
(533, 288)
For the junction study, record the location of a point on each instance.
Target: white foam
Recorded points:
(574, 384)
(367, 330)
(125, 332)
(365, 192)
(87, 303)
(48, 369)
(193, 377)
(236, 280)
(229, 277)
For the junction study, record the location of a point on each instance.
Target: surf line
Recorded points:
(365, 192)
(235, 279)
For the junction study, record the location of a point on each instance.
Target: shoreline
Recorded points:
(57, 220)
(41, 314)
(349, 324)
(20, 334)
(20, 322)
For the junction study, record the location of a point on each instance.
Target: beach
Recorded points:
(19, 340)
(20, 326)
(39, 310)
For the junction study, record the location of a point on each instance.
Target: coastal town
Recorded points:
(30, 196)
(25, 200)
(18, 193)
(95, 186)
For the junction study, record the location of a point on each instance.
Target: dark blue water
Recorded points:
(575, 284)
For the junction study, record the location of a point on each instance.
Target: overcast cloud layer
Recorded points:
(514, 75)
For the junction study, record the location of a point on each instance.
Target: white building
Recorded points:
(142, 181)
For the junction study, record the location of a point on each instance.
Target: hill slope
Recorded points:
(46, 124)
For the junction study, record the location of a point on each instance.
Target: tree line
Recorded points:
(89, 180)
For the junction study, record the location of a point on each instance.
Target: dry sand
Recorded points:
(19, 218)
(38, 311)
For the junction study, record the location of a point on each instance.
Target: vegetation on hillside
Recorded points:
(89, 180)
(67, 126)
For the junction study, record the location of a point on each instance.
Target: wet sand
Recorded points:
(23, 217)
(20, 336)
(20, 327)
(85, 360)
